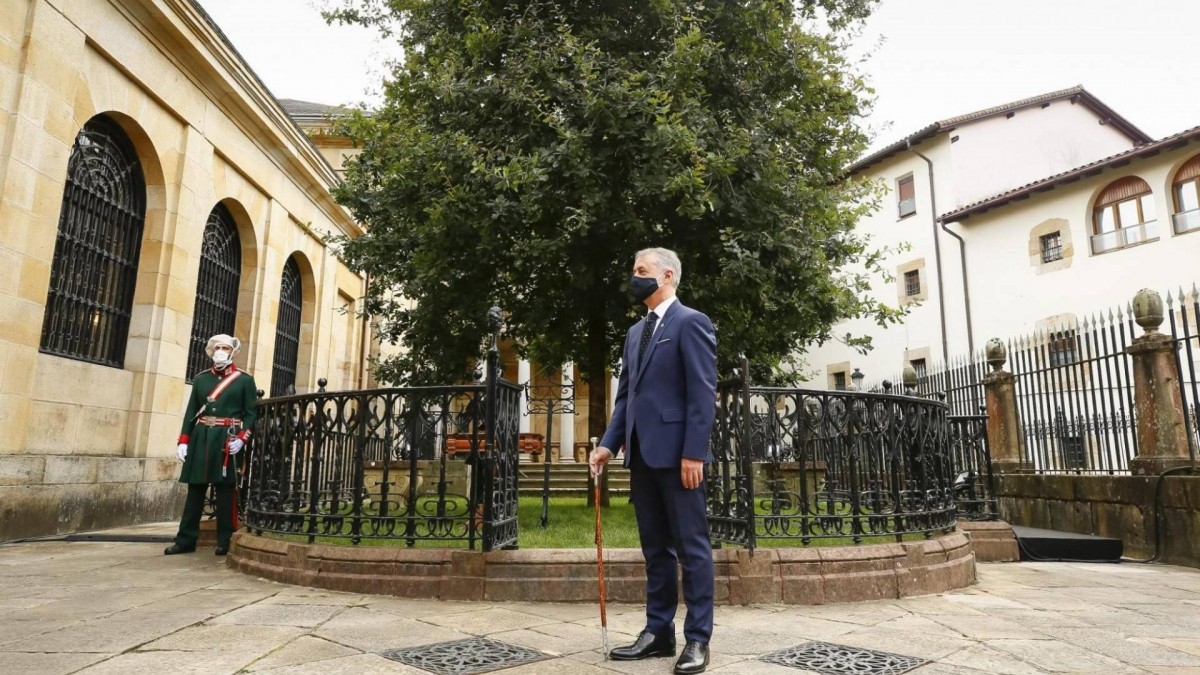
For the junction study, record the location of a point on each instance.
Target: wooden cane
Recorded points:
(600, 556)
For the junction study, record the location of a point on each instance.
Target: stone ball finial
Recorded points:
(996, 354)
(909, 376)
(1148, 310)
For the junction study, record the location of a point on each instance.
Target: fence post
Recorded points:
(1158, 406)
(1004, 422)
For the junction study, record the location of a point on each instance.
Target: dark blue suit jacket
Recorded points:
(670, 399)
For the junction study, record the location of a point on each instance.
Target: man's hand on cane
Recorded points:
(598, 458)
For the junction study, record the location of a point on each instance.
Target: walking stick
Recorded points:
(600, 557)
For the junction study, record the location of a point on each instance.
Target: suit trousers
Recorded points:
(193, 508)
(673, 529)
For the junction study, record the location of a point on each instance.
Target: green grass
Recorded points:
(572, 525)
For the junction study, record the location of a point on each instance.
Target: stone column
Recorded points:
(523, 379)
(1161, 426)
(566, 421)
(1004, 422)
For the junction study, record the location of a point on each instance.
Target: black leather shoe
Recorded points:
(222, 550)
(694, 658)
(646, 645)
(176, 549)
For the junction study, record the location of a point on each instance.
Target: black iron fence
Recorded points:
(1074, 389)
(1183, 322)
(411, 464)
(806, 465)
(971, 461)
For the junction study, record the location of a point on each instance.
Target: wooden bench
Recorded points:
(531, 444)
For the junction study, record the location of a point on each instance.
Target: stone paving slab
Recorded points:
(111, 607)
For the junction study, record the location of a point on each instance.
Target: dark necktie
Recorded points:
(647, 333)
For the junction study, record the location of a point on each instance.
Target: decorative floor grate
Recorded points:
(831, 659)
(464, 657)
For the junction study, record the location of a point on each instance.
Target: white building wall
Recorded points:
(921, 328)
(1000, 153)
(1011, 293)
(989, 156)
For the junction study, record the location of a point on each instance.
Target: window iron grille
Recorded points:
(94, 269)
(217, 286)
(912, 283)
(1052, 247)
(287, 330)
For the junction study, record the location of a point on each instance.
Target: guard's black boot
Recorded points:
(645, 646)
(222, 550)
(176, 549)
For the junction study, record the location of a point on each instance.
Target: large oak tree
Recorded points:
(526, 149)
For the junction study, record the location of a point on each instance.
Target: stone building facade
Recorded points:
(153, 192)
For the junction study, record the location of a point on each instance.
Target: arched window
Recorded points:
(96, 253)
(287, 330)
(216, 287)
(1187, 197)
(1124, 216)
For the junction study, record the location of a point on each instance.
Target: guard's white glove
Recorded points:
(181, 452)
(235, 446)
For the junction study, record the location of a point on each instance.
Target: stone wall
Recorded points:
(87, 445)
(54, 494)
(1121, 507)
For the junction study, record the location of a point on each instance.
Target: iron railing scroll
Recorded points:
(415, 464)
(805, 466)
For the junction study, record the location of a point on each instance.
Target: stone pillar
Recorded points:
(523, 379)
(1161, 426)
(566, 422)
(1004, 423)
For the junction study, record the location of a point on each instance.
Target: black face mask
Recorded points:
(642, 287)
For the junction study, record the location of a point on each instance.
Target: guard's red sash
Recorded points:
(224, 384)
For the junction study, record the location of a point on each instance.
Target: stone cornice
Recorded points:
(216, 68)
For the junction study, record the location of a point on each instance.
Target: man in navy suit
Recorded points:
(663, 417)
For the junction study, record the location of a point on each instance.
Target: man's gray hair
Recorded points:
(666, 259)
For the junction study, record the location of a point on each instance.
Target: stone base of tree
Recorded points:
(992, 541)
(799, 576)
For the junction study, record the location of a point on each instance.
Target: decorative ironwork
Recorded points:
(350, 464)
(807, 465)
(287, 330)
(831, 659)
(971, 462)
(464, 657)
(217, 286)
(549, 400)
(96, 253)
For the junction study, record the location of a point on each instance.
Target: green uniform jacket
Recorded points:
(206, 445)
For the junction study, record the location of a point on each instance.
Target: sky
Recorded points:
(926, 59)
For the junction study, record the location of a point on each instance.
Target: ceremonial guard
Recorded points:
(216, 427)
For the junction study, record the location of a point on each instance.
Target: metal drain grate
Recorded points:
(831, 659)
(464, 657)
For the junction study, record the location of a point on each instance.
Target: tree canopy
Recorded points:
(526, 149)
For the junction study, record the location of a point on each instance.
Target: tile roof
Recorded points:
(1084, 97)
(307, 110)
